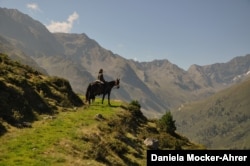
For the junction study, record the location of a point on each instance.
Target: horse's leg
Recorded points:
(88, 98)
(92, 97)
(109, 99)
(87, 94)
(91, 94)
(103, 96)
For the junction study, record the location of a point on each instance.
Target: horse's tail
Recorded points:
(87, 95)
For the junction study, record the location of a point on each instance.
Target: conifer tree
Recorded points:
(166, 123)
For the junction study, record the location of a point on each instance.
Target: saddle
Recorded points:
(98, 82)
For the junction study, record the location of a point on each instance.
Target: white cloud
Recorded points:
(73, 17)
(33, 6)
(64, 26)
(135, 59)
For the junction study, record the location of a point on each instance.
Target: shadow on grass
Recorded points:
(114, 106)
(2, 129)
(102, 105)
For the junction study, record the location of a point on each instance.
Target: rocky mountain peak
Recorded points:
(78, 58)
(31, 36)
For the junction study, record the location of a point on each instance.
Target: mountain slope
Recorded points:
(6, 47)
(26, 92)
(158, 85)
(164, 78)
(220, 121)
(219, 74)
(74, 57)
(29, 35)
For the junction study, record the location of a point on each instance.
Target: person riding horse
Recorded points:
(96, 88)
(100, 86)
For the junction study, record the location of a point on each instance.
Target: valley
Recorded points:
(48, 73)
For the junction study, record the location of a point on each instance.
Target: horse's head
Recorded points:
(117, 83)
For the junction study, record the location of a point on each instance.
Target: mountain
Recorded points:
(219, 74)
(29, 35)
(18, 55)
(220, 121)
(158, 85)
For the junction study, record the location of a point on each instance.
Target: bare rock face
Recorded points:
(99, 117)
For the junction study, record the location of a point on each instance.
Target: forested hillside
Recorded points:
(221, 121)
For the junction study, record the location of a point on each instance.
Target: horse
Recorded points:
(97, 88)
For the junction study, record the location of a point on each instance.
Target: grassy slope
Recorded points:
(51, 141)
(75, 137)
(26, 92)
(220, 121)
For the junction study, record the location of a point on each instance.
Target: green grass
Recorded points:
(47, 141)
(75, 137)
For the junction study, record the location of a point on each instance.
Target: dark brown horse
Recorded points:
(98, 88)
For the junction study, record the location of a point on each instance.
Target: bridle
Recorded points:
(117, 83)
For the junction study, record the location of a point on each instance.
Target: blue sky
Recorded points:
(185, 32)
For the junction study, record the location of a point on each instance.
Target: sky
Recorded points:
(185, 32)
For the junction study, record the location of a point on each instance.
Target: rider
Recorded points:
(100, 76)
(101, 79)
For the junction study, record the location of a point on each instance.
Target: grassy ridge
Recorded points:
(75, 137)
(51, 141)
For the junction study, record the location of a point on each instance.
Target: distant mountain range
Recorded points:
(158, 85)
(221, 121)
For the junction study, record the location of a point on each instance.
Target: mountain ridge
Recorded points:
(78, 58)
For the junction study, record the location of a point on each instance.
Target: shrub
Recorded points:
(134, 108)
(136, 104)
(166, 123)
